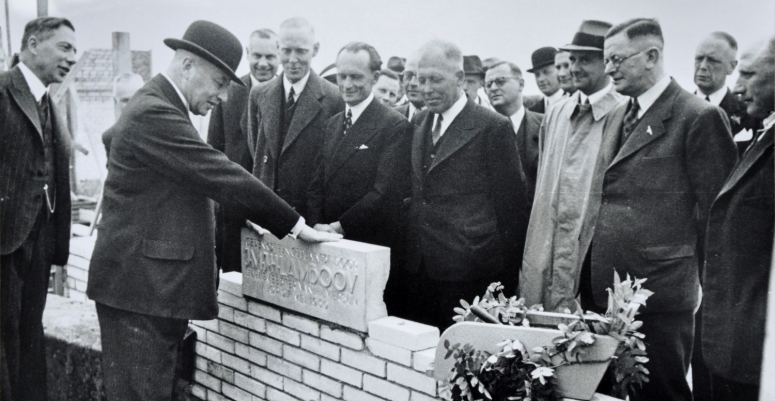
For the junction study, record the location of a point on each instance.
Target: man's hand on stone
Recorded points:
(256, 228)
(310, 234)
(326, 228)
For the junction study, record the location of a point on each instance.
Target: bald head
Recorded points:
(297, 47)
(441, 76)
(714, 60)
(756, 83)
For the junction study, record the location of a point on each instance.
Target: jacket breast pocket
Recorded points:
(167, 250)
(667, 252)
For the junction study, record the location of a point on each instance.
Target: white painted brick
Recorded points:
(353, 394)
(201, 333)
(322, 383)
(265, 311)
(231, 282)
(267, 377)
(418, 396)
(213, 396)
(253, 386)
(283, 367)
(77, 262)
(320, 347)
(206, 380)
(302, 324)
(234, 332)
(220, 342)
(78, 296)
(278, 395)
(236, 393)
(301, 357)
(256, 398)
(341, 373)
(364, 362)
(253, 355)
(80, 285)
(252, 322)
(404, 333)
(225, 313)
(238, 364)
(200, 363)
(221, 372)
(389, 352)
(301, 391)
(77, 273)
(235, 301)
(208, 352)
(341, 337)
(211, 325)
(267, 344)
(283, 333)
(410, 378)
(326, 397)
(199, 391)
(422, 360)
(385, 389)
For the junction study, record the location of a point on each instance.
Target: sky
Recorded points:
(507, 29)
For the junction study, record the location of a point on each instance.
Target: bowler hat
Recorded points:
(590, 37)
(472, 65)
(542, 57)
(213, 43)
(396, 64)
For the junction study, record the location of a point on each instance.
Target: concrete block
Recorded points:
(211, 325)
(283, 333)
(411, 378)
(220, 342)
(265, 311)
(207, 351)
(234, 332)
(253, 386)
(301, 391)
(389, 352)
(349, 340)
(278, 395)
(221, 372)
(301, 358)
(342, 373)
(322, 383)
(320, 347)
(283, 367)
(252, 322)
(225, 313)
(231, 282)
(235, 301)
(206, 380)
(385, 389)
(237, 364)
(266, 344)
(353, 394)
(422, 360)
(301, 324)
(364, 362)
(418, 396)
(199, 391)
(236, 393)
(213, 396)
(253, 355)
(266, 376)
(404, 333)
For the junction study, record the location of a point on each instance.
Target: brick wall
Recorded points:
(77, 269)
(257, 351)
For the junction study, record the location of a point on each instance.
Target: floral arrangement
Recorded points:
(514, 373)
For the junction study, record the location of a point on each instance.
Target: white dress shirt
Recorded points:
(358, 109)
(297, 87)
(412, 111)
(595, 97)
(516, 118)
(551, 100)
(36, 85)
(450, 114)
(183, 98)
(647, 98)
(715, 97)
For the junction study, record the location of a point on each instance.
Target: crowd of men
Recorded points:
(439, 156)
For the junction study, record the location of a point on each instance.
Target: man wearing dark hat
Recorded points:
(411, 87)
(570, 140)
(396, 65)
(287, 117)
(153, 266)
(546, 79)
(474, 84)
(228, 133)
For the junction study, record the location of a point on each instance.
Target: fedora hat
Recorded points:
(213, 43)
(472, 65)
(542, 57)
(590, 37)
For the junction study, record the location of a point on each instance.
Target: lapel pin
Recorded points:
(363, 147)
(649, 131)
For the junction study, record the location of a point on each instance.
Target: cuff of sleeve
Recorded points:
(297, 228)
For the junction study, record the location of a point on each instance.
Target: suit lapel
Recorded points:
(650, 126)
(307, 108)
(270, 107)
(23, 97)
(360, 133)
(418, 142)
(457, 134)
(754, 152)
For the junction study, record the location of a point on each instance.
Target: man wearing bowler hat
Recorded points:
(474, 85)
(153, 265)
(570, 140)
(546, 79)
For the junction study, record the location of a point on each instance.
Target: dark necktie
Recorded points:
(348, 121)
(436, 133)
(630, 120)
(289, 105)
(43, 110)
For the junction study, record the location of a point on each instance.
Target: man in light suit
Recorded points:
(153, 268)
(662, 162)
(714, 60)
(411, 86)
(362, 173)
(739, 246)
(469, 204)
(287, 116)
(504, 84)
(35, 150)
(228, 133)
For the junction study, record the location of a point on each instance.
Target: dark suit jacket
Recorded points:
(22, 167)
(738, 267)
(155, 250)
(362, 178)
(535, 103)
(403, 110)
(738, 119)
(527, 145)
(228, 133)
(468, 214)
(656, 193)
(288, 169)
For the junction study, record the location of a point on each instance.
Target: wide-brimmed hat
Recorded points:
(472, 65)
(213, 43)
(590, 37)
(542, 57)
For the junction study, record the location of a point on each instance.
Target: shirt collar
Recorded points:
(602, 101)
(556, 96)
(253, 81)
(516, 118)
(647, 98)
(769, 122)
(715, 97)
(450, 114)
(36, 85)
(297, 87)
(183, 98)
(359, 108)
